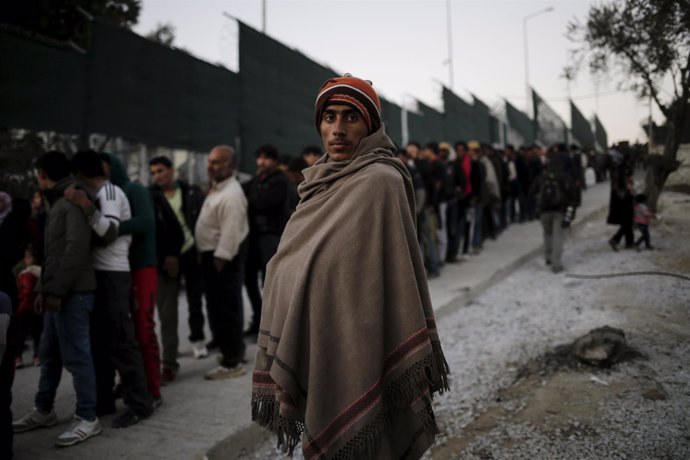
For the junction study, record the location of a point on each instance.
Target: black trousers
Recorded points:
(644, 236)
(625, 230)
(261, 248)
(190, 269)
(224, 304)
(114, 345)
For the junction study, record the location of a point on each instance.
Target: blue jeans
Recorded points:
(478, 237)
(66, 341)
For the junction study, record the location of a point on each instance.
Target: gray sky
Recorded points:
(402, 47)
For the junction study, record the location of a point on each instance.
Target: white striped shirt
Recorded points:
(114, 206)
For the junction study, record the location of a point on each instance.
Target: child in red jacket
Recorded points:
(643, 217)
(29, 322)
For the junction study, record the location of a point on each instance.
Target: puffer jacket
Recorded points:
(67, 265)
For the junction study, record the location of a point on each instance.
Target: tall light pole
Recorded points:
(524, 35)
(450, 45)
(263, 16)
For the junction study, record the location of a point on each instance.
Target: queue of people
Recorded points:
(89, 261)
(470, 192)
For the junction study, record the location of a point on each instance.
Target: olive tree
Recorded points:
(646, 43)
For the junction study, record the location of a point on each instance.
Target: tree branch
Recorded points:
(648, 79)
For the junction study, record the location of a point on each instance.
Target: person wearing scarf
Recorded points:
(348, 354)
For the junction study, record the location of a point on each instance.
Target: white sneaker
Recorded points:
(199, 349)
(34, 419)
(222, 372)
(80, 431)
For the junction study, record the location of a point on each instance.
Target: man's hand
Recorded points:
(77, 197)
(52, 303)
(171, 266)
(38, 304)
(219, 263)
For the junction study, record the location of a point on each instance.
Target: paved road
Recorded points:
(199, 416)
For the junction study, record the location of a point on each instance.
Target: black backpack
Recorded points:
(550, 192)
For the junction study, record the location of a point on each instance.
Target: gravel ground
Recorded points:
(504, 404)
(637, 409)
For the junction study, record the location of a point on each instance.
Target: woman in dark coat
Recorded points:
(621, 205)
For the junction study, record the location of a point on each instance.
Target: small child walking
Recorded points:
(643, 217)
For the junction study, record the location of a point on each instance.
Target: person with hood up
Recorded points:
(143, 262)
(348, 355)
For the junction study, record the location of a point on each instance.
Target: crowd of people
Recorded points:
(470, 192)
(88, 261)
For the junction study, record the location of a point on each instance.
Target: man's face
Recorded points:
(460, 151)
(161, 175)
(311, 158)
(412, 151)
(219, 165)
(265, 164)
(41, 179)
(428, 154)
(106, 168)
(342, 128)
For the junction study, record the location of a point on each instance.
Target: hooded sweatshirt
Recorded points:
(142, 225)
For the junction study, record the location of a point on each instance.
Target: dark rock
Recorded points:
(603, 346)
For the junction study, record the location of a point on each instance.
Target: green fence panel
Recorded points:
(151, 93)
(550, 129)
(581, 128)
(42, 84)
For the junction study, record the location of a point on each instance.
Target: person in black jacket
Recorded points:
(268, 198)
(177, 256)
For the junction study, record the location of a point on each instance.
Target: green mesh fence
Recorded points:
(581, 128)
(600, 137)
(520, 123)
(481, 122)
(459, 116)
(550, 129)
(154, 94)
(42, 83)
(127, 86)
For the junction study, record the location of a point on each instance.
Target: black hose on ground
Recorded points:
(619, 275)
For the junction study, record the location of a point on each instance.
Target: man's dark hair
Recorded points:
(297, 164)
(415, 143)
(284, 159)
(88, 163)
(312, 150)
(54, 165)
(165, 161)
(640, 198)
(433, 146)
(510, 146)
(104, 157)
(460, 143)
(402, 152)
(267, 150)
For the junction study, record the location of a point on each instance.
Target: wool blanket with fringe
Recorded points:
(348, 353)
